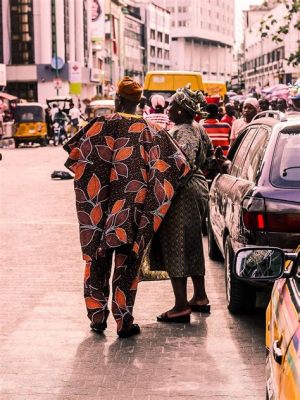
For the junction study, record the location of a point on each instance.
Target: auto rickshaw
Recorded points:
(30, 120)
(98, 108)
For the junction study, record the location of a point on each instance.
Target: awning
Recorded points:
(7, 96)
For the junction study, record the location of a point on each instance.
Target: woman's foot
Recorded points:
(200, 305)
(175, 315)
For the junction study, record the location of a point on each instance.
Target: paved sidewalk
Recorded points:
(47, 349)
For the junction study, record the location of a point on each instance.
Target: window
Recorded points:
(22, 36)
(53, 28)
(167, 38)
(85, 34)
(285, 170)
(167, 54)
(67, 30)
(255, 155)
(152, 34)
(159, 36)
(242, 151)
(152, 51)
(159, 53)
(23, 90)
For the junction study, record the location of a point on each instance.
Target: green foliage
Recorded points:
(292, 8)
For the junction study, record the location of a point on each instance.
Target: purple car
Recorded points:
(257, 202)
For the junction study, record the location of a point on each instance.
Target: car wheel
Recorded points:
(43, 142)
(240, 297)
(214, 252)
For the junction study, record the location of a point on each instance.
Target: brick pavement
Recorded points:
(47, 349)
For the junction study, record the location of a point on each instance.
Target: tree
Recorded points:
(292, 9)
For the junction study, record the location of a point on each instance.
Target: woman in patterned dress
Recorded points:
(179, 238)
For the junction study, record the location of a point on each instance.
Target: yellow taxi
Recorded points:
(282, 316)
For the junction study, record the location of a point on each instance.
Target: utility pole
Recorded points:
(55, 49)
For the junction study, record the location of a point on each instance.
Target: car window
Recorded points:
(285, 170)
(255, 155)
(241, 153)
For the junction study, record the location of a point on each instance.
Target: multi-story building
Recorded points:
(134, 43)
(47, 48)
(202, 36)
(114, 40)
(265, 60)
(157, 23)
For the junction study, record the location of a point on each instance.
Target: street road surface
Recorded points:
(47, 349)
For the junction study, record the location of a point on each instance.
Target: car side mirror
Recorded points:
(259, 263)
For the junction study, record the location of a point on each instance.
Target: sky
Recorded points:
(239, 6)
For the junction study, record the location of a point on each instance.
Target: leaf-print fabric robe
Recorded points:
(126, 174)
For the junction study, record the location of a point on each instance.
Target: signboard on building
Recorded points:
(75, 72)
(57, 83)
(98, 22)
(2, 75)
(95, 75)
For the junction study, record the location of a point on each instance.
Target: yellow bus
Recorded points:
(215, 88)
(167, 82)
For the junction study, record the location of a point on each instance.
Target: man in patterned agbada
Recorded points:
(126, 174)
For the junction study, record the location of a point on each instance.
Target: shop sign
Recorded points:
(75, 72)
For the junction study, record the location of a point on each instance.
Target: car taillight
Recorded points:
(271, 216)
(254, 214)
(282, 216)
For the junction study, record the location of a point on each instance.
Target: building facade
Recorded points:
(157, 27)
(265, 60)
(47, 48)
(134, 46)
(202, 37)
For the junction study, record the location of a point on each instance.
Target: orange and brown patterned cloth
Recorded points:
(126, 174)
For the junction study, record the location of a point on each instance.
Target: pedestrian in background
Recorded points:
(273, 104)
(217, 131)
(236, 106)
(264, 104)
(143, 109)
(74, 115)
(250, 109)
(159, 117)
(126, 175)
(178, 244)
(229, 116)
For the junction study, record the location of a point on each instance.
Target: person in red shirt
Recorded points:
(218, 132)
(229, 116)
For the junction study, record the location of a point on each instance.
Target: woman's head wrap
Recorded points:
(157, 101)
(188, 99)
(253, 102)
(130, 89)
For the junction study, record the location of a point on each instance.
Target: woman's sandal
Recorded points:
(183, 319)
(205, 308)
(133, 330)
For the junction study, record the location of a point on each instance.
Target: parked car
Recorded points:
(282, 317)
(257, 202)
